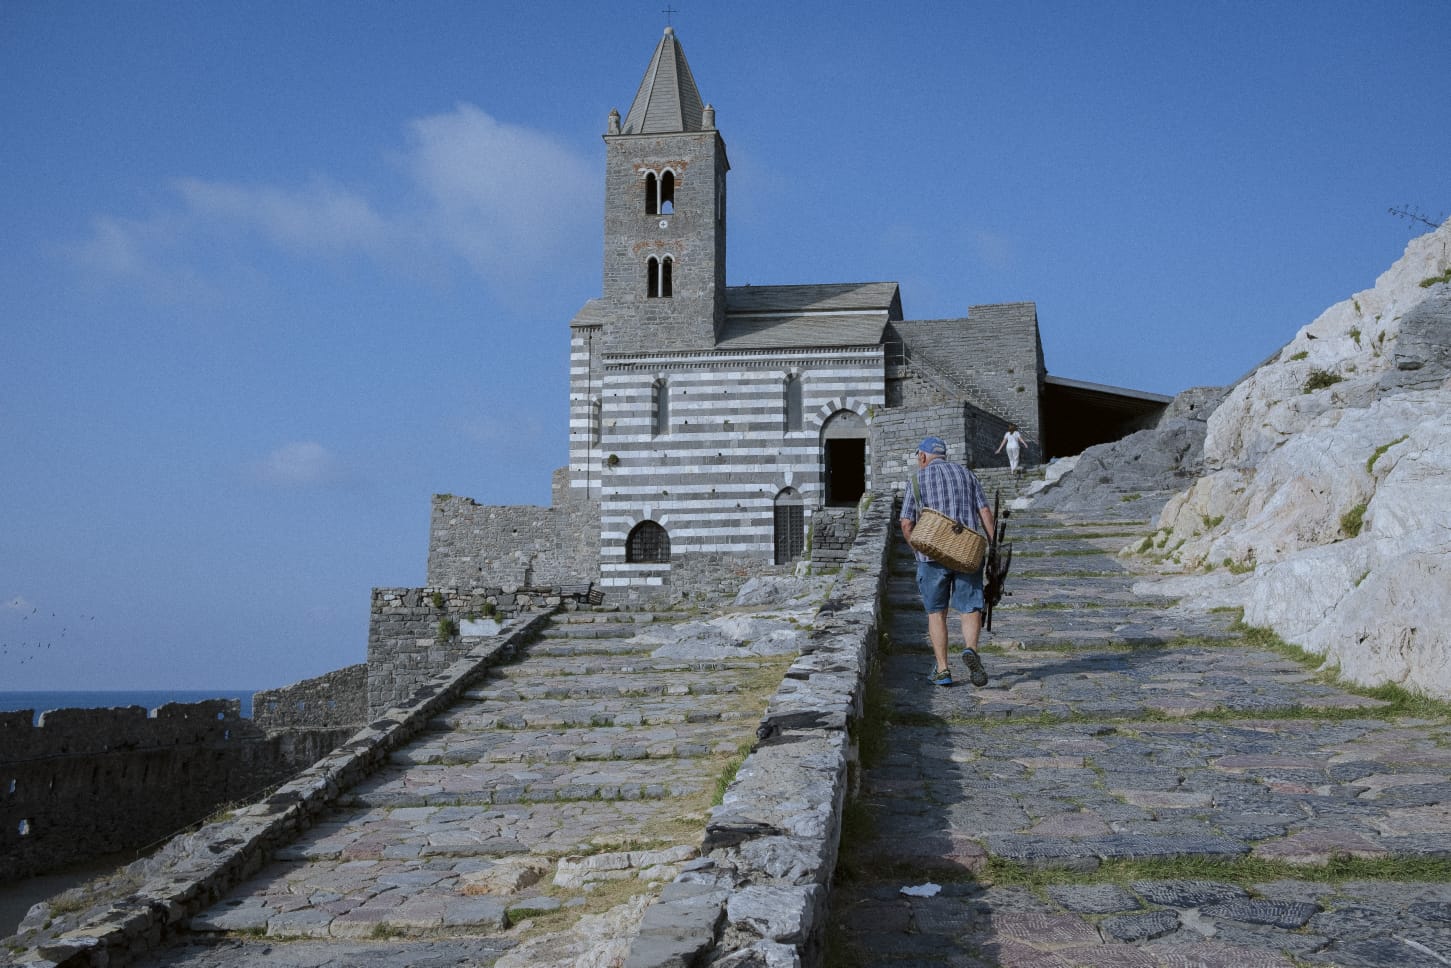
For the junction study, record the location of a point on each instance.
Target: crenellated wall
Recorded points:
(86, 782)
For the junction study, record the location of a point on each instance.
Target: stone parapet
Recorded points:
(758, 895)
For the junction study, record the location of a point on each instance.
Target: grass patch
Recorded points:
(1213, 522)
(1130, 497)
(1380, 452)
(1245, 872)
(728, 773)
(601, 897)
(1300, 355)
(1352, 522)
(1430, 281)
(1319, 380)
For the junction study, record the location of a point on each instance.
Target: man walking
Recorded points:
(954, 491)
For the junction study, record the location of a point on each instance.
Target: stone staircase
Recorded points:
(1137, 785)
(570, 778)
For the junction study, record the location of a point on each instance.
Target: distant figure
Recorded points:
(953, 490)
(1014, 441)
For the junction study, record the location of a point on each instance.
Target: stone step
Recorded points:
(528, 688)
(490, 783)
(544, 666)
(582, 744)
(614, 711)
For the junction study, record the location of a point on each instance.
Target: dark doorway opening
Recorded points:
(846, 471)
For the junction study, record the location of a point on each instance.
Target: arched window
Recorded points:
(790, 532)
(667, 192)
(659, 277)
(660, 407)
(647, 542)
(652, 194)
(793, 401)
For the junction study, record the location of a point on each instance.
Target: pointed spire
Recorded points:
(668, 100)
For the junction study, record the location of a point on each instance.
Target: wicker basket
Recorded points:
(947, 542)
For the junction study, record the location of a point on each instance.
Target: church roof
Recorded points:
(668, 100)
(841, 314)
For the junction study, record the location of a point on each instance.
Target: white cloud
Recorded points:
(501, 199)
(320, 218)
(302, 463)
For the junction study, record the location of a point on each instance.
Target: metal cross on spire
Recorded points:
(669, 11)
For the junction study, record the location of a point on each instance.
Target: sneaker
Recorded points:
(942, 677)
(975, 671)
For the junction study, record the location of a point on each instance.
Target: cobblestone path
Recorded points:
(569, 779)
(1135, 786)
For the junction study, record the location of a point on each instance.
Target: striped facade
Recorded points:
(712, 470)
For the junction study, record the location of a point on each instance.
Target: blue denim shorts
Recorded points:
(941, 587)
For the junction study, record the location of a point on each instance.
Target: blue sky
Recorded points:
(275, 273)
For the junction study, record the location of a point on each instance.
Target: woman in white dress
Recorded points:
(1014, 441)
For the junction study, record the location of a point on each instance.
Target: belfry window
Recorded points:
(660, 193)
(647, 543)
(659, 281)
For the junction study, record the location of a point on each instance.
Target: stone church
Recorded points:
(715, 428)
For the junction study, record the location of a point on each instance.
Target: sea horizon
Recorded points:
(42, 701)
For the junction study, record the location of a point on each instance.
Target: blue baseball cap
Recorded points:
(934, 445)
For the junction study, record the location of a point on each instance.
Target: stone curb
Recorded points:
(759, 894)
(223, 854)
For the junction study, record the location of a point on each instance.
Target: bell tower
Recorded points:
(665, 211)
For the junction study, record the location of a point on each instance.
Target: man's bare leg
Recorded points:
(937, 635)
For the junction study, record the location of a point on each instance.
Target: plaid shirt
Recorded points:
(949, 488)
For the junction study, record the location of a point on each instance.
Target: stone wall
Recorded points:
(409, 642)
(832, 532)
(334, 699)
(472, 544)
(993, 360)
(971, 435)
(87, 782)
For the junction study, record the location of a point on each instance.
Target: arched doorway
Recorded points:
(790, 526)
(844, 458)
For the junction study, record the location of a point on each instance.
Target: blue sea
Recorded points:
(150, 698)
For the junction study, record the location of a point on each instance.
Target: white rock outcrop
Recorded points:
(1327, 484)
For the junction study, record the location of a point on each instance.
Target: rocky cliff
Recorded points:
(1324, 506)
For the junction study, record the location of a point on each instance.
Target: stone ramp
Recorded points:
(581, 765)
(1092, 804)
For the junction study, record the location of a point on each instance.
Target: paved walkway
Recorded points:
(569, 780)
(1136, 786)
